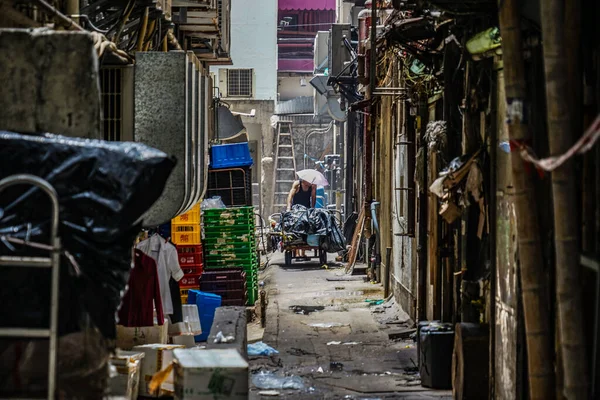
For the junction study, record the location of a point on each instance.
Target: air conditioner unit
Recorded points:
(338, 53)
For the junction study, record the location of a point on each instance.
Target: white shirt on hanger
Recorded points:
(167, 265)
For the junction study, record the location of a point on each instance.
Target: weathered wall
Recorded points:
(254, 44)
(404, 267)
(288, 86)
(50, 83)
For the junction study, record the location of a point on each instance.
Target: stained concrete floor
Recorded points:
(315, 319)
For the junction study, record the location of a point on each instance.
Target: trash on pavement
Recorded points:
(333, 343)
(374, 302)
(320, 370)
(327, 325)
(336, 366)
(220, 338)
(261, 349)
(268, 380)
(269, 393)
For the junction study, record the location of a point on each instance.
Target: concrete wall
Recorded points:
(254, 44)
(288, 86)
(50, 83)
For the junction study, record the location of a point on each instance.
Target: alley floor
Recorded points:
(331, 337)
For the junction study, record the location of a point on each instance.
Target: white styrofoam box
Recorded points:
(214, 374)
(127, 366)
(157, 357)
(185, 340)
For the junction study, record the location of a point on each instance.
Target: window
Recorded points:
(239, 82)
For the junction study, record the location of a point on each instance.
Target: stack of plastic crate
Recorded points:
(229, 242)
(185, 233)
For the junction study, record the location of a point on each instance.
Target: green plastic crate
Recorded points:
(227, 219)
(251, 296)
(231, 210)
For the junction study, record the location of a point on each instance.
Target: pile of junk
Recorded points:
(303, 229)
(70, 211)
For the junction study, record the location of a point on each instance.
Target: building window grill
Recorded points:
(111, 82)
(239, 83)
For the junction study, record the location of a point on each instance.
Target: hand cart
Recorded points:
(52, 261)
(291, 248)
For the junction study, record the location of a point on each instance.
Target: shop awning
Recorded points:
(306, 4)
(296, 65)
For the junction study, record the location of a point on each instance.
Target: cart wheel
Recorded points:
(288, 258)
(323, 256)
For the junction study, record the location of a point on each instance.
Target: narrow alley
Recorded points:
(300, 199)
(334, 331)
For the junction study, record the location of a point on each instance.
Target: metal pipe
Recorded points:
(66, 22)
(312, 131)
(374, 206)
(386, 276)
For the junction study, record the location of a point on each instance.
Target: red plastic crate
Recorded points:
(190, 280)
(190, 256)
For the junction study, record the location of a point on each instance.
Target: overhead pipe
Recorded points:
(143, 29)
(65, 21)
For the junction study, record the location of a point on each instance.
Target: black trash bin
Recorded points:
(436, 344)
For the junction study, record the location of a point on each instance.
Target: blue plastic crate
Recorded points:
(231, 155)
(207, 304)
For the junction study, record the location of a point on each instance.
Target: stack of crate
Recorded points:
(185, 233)
(229, 243)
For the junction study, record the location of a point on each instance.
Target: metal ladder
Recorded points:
(53, 262)
(284, 168)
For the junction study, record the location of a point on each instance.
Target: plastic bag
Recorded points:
(213, 202)
(268, 380)
(301, 222)
(261, 349)
(103, 189)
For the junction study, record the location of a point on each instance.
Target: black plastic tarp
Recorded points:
(301, 222)
(103, 188)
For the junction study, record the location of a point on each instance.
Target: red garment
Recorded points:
(137, 308)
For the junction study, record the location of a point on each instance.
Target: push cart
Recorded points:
(291, 246)
(52, 262)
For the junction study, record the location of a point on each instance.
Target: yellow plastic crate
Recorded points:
(186, 238)
(186, 234)
(190, 217)
(184, 299)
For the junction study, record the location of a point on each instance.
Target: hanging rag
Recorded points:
(474, 186)
(143, 294)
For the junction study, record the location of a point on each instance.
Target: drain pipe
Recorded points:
(376, 259)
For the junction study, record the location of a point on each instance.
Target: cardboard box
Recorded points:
(127, 365)
(128, 338)
(156, 358)
(210, 374)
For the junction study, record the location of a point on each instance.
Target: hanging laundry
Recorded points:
(165, 255)
(143, 294)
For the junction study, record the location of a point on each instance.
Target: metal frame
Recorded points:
(52, 262)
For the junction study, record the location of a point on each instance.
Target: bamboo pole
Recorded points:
(143, 29)
(566, 225)
(533, 283)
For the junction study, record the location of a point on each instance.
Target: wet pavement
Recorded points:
(334, 339)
